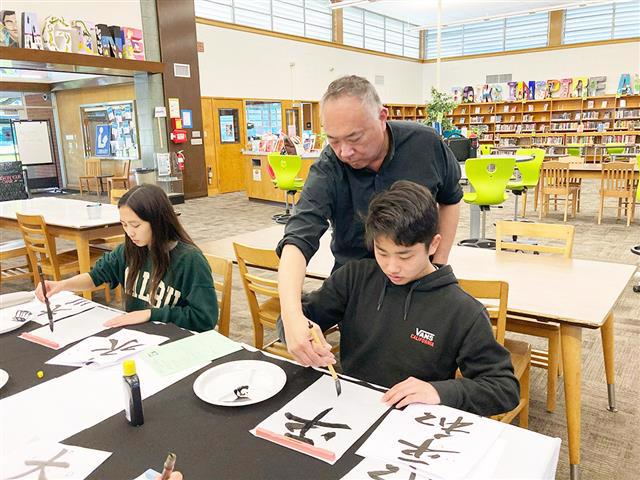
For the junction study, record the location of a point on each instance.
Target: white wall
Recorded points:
(112, 12)
(606, 60)
(249, 65)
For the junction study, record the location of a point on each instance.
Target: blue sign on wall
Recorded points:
(103, 140)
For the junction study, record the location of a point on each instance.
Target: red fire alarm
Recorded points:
(179, 136)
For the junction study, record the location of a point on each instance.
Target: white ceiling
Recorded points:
(424, 12)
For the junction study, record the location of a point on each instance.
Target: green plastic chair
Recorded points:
(529, 176)
(575, 149)
(486, 149)
(489, 178)
(614, 148)
(285, 169)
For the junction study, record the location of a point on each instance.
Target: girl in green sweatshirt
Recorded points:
(164, 275)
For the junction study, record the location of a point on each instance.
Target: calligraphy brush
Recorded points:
(46, 299)
(332, 370)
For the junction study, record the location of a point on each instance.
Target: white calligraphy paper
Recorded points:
(73, 328)
(63, 305)
(103, 351)
(39, 461)
(432, 440)
(321, 424)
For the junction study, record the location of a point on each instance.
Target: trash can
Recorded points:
(145, 175)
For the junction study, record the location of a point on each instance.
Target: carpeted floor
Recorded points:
(610, 449)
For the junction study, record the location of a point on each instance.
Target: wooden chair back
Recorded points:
(122, 169)
(116, 194)
(554, 178)
(266, 309)
(617, 179)
(92, 167)
(547, 231)
(40, 244)
(223, 269)
(494, 295)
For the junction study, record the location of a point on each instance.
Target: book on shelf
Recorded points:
(530, 108)
(603, 104)
(623, 103)
(505, 108)
(546, 107)
(477, 110)
(590, 104)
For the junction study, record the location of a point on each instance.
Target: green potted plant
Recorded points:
(437, 108)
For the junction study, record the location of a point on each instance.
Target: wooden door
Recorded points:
(228, 131)
(211, 165)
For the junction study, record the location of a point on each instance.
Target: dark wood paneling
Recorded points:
(24, 87)
(75, 62)
(177, 31)
(37, 99)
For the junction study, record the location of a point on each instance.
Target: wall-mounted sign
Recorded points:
(187, 118)
(174, 107)
(103, 140)
(160, 112)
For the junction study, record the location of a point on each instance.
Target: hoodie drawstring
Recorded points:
(407, 302)
(384, 290)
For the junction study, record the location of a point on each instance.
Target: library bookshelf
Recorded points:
(555, 122)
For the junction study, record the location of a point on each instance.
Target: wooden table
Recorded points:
(558, 289)
(68, 219)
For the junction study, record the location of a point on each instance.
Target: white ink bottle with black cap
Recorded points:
(132, 394)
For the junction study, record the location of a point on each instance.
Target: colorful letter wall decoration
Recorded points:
(580, 85)
(84, 37)
(624, 85)
(553, 86)
(31, 37)
(597, 86)
(56, 33)
(636, 84)
(9, 36)
(565, 87)
(541, 90)
(133, 43)
(468, 95)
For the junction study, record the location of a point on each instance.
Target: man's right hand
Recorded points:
(301, 345)
(52, 289)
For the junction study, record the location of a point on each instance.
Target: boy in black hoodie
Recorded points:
(405, 323)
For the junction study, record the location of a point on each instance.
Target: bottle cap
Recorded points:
(129, 368)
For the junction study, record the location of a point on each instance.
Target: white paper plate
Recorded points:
(217, 384)
(4, 378)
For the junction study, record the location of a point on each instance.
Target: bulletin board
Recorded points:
(33, 141)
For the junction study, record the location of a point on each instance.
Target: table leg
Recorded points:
(571, 356)
(84, 259)
(606, 331)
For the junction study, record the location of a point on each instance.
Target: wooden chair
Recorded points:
(264, 313)
(555, 180)
(487, 292)
(115, 194)
(92, 171)
(11, 250)
(41, 249)
(223, 268)
(617, 182)
(120, 177)
(550, 359)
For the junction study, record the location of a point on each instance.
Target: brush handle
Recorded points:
(316, 339)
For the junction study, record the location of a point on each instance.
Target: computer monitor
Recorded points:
(461, 148)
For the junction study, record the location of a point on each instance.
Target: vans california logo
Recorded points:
(422, 336)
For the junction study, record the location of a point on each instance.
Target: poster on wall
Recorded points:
(103, 140)
(227, 129)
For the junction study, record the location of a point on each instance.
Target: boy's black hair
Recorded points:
(406, 213)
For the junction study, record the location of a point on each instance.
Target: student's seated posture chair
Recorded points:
(285, 169)
(555, 181)
(222, 269)
(529, 176)
(618, 182)
(11, 250)
(41, 249)
(259, 281)
(487, 292)
(489, 178)
(542, 238)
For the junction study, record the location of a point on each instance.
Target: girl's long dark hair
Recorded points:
(151, 204)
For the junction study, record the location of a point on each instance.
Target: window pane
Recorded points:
(392, 24)
(373, 44)
(411, 52)
(292, 27)
(353, 40)
(290, 12)
(374, 32)
(214, 10)
(253, 19)
(588, 24)
(320, 33)
(393, 37)
(355, 14)
(626, 20)
(374, 19)
(393, 48)
(529, 31)
(412, 42)
(483, 37)
(319, 5)
(261, 6)
(349, 26)
(317, 18)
